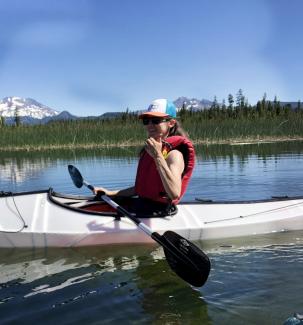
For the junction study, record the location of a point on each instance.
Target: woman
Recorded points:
(165, 166)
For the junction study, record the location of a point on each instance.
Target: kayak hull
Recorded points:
(47, 219)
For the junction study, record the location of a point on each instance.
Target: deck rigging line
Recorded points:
(24, 225)
(255, 214)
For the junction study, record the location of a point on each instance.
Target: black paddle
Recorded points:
(184, 258)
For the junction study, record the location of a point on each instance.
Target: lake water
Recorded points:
(253, 280)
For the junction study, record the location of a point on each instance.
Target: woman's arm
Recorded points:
(170, 169)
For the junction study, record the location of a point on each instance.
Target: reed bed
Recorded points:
(71, 134)
(127, 132)
(234, 130)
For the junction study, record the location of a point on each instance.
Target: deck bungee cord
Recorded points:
(24, 225)
(256, 214)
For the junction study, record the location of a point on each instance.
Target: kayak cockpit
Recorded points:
(81, 204)
(94, 205)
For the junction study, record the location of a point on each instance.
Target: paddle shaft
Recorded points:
(174, 254)
(120, 209)
(124, 212)
(79, 182)
(154, 235)
(184, 258)
(88, 185)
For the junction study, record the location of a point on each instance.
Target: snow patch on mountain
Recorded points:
(25, 107)
(192, 103)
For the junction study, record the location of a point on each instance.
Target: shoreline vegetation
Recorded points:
(207, 142)
(238, 124)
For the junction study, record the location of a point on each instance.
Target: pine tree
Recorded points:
(298, 108)
(214, 109)
(240, 99)
(183, 111)
(17, 117)
(125, 115)
(230, 101)
(259, 109)
(277, 106)
(287, 110)
(2, 121)
(269, 109)
(263, 102)
(215, 103)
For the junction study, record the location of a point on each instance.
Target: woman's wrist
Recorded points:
(159, 161)
(112, 193)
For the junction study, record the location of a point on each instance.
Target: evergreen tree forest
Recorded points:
(238, 108)
(226, 122)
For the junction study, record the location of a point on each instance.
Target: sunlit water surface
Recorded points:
(254, 280)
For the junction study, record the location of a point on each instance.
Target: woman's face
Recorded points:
(158, 127)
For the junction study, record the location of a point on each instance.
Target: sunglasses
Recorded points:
(154, 121)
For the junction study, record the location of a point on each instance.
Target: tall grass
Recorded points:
(84, 133)
(201, 130)
(130, 132)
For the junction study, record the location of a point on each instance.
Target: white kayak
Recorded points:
(49, 219)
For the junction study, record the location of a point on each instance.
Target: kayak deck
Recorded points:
(49, 219)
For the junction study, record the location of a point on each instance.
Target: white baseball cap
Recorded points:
(160, 108)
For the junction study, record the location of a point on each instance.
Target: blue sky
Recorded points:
(95, 56)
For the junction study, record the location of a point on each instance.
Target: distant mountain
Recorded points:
(293, 105)
(192, 103)
(32, 112)
(26, 107)
(196, 104)
(110, 115)
(64, 115)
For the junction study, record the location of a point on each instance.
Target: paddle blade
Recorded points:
(186, 259)
(75, 176)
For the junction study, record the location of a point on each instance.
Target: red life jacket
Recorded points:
(148, 182)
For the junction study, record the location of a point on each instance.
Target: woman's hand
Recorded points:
(105, 191)
(130, 191)
(153, 147)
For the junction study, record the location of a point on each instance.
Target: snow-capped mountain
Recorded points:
(26, 107)
(192, 103)
(32, 112)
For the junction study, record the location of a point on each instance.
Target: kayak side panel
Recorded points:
(51, 225)
(246, 220)
(43, 240)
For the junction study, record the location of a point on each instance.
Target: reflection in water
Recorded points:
(20, 170)
(26, 171)
(162, 292)
(17, 167)
(243, 152)
(109, 282)
(222, 171)
(134, 284)
(27, 265)
(248, 172)
(262, 150)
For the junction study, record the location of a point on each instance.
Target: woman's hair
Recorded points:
(177, 130)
